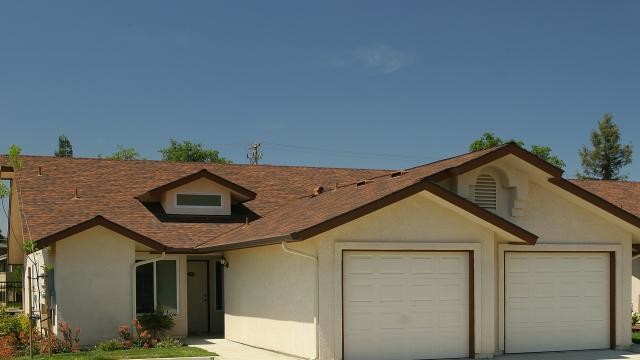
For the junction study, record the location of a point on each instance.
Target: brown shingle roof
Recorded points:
(108, 188)
(623, 194)
(284, 198)
(302, 217)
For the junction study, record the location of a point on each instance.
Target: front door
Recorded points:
(198, 295)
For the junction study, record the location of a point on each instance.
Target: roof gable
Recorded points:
(241, 192)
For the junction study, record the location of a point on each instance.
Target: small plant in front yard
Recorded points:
(169, 342)
(157, 322)
(110, 345)
(635, 318)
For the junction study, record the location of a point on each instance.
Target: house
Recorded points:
(480, 254)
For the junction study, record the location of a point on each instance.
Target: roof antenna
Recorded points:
(254, 154)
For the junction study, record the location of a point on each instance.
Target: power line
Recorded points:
(346, 153)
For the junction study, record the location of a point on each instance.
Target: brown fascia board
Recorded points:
(596, 200)
(411, 190)
(501, 151)
(100, 221)
(204, 173)
(5, 168)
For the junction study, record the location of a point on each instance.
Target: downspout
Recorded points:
(133, 279)
(316, 299)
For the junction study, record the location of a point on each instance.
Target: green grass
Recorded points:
(635, 337)
(183, 351)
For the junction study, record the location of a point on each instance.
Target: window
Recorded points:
(208, 200)
(157, 286)
(485, 192)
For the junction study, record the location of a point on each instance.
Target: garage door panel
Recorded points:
(415, 306)
(556, 301)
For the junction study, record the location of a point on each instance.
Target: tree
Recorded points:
(607, 156)
(187, 151)
(65, 149)
(1, 235)
(123, 153)
(489, 140)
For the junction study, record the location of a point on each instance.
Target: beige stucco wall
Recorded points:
(269, 298)
(256, 300)
(93, 282)
(197, 186)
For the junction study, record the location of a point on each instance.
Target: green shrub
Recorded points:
(13, 324)
(157, 322)
(635, 318)
(110, 345)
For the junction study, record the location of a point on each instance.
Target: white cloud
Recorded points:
(380, 58)
(383, 58)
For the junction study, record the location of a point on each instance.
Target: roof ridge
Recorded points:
(488, 150)
(199, 163)
(606, 180)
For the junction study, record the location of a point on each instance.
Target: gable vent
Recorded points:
(485, 191)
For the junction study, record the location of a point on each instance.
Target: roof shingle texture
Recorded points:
(109, 188)
(623, 194)
(284, 196)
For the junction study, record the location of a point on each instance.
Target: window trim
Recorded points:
(175, 200)
(153, 261)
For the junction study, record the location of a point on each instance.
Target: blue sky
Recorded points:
(358, 84)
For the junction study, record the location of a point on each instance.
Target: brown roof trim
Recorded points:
(204, 173)
(596, 200)
(411, 190)
(272, 240)
(500, 151)
(483, 214)
(100, 221)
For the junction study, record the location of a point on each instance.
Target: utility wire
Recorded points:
(345, 153)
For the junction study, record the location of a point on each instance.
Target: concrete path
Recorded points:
(573, 355)
(229, 350)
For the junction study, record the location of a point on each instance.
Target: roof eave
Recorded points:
(106, 223)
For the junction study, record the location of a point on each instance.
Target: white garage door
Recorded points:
(556, 301)
(405, 305)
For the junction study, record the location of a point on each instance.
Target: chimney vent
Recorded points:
(317, 191)
(39, 170)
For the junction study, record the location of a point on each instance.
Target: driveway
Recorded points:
(229, 350)
(573, 355)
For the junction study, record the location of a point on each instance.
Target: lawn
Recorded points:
(635, 337)
(183, 351)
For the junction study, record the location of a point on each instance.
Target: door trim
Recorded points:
(614, 280)
(208, 295)
(471, 274)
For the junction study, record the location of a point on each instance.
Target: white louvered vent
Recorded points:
(485, 192)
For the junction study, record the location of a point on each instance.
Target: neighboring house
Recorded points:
(626, 195)
(475, 255)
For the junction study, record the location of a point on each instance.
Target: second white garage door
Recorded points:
(405, 305)
(556, 301)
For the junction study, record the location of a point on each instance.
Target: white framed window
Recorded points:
(198, 200)
(157, 286)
